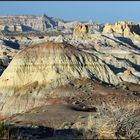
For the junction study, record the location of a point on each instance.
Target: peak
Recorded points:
(45, 15)
(50, 45)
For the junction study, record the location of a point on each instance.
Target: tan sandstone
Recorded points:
(81, 30)
(127, 29)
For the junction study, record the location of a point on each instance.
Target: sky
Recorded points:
(97, 11)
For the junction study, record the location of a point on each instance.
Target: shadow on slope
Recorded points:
(35, 132)
(128, 41)
(11, 44)
(115, 69)
(135, 66)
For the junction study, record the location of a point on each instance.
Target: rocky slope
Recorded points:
(119, 52)
(110, 110)
(6, 55)
(43, 67)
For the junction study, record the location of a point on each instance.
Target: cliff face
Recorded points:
(43, 67)
(26, 23)
(127, 29)
(81, 31)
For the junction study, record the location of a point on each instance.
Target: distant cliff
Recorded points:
(27, 23)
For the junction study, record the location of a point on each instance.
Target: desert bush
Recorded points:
(113, 123)
(5, 132)
(129, 126)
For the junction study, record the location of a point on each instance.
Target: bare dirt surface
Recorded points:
(90, 97)
(68, 109)
(51, 116)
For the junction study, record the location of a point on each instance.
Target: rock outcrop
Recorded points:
(27, 23)
(6, 55)
(127, 29)
(38, 69)
(81, 31)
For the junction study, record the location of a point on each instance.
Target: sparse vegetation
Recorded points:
(111, 124)
(5, 132)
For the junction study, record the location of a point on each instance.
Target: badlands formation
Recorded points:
(46, 66)
(27, 23)
(57, 66)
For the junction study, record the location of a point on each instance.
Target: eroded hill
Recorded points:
(69, 74)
